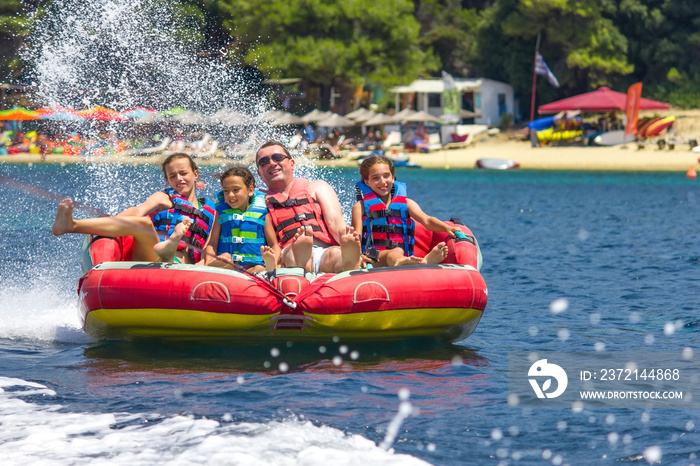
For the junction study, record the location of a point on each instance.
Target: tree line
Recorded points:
(382, 43)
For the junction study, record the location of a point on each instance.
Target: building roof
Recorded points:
(437, 85)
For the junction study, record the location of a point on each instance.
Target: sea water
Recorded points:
(585, 262)
(594, 262)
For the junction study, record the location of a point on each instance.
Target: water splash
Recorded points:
(123, 54)
(132, 53)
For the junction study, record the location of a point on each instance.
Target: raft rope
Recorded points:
(26, 187)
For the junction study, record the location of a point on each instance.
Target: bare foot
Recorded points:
(412, 260)
(302, 245)
(64, 218)
(165, 250)
(350, 249)
(437, 255)
(268, 257)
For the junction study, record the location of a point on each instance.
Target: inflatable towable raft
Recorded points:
(146, 300)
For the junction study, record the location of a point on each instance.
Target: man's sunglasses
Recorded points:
(277, 158)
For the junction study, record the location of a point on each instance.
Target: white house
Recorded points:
(484, 100)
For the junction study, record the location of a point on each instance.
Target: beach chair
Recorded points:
(155, 149)
(458, 142)
(207, 153)
(433, 142)
(393, 141)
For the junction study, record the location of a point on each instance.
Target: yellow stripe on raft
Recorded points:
(370, 326)
(165, 322)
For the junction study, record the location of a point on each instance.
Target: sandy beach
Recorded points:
(628, 157)
(625, 157)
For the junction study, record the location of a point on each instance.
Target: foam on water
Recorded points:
(39, 311)
(46, 433)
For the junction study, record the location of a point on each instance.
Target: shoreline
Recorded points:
(626, 157)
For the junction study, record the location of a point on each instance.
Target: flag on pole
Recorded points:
(451, 99)
(542, 69)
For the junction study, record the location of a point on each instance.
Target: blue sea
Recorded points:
(574, 262)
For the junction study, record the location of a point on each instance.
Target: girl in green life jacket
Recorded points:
(243, 232)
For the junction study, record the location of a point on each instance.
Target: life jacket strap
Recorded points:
(383, 213)
(391, 228)
(288, 203)
(196, 212)
(239, 239)
(296, 219)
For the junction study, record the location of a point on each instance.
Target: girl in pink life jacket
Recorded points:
(171, 206)
(385, 215)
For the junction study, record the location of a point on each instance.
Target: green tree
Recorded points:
(341, 43)
(583, 47)
(664, 46)
(449, 29)
(13, 28)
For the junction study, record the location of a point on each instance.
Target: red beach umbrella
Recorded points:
(17, 114)
(58, 113)
(102, 114)
(601, 100)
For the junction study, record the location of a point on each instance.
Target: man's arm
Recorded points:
(332, 213)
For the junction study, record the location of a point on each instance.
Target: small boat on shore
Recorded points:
(176, 302)
(497, 164)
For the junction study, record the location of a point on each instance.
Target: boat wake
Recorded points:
(45, 433)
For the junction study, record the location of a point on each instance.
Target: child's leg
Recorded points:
(396, 257)
(141, 228)
(165, 250)
(350, 249)
(437, 254)
(268, 256)
(302, 243)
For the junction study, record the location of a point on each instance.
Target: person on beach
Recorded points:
(385, 215)
(243, 232)
(175, 210)
(306, 216)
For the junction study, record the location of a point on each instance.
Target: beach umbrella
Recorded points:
(151, 118)
(58, 114)
(357, 113)
(172, 111)
(189, 117)
(136, 113)
(272, 115)
(17, 114)
(421, 117)
(314, 115)
(403, 114)
(229, 117)
(286, 118)
(102, 114)
(601, 100)
(380, 119)
(364, 117)
(335, 120)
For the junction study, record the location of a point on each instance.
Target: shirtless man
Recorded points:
(306, 215)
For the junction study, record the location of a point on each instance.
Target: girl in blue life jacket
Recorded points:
(162, 211)
(385, 215)
(243, 232)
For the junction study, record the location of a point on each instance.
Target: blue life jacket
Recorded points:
(386, 226)
(242, 233)
(202, 221)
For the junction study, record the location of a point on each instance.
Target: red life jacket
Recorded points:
(290, 212)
